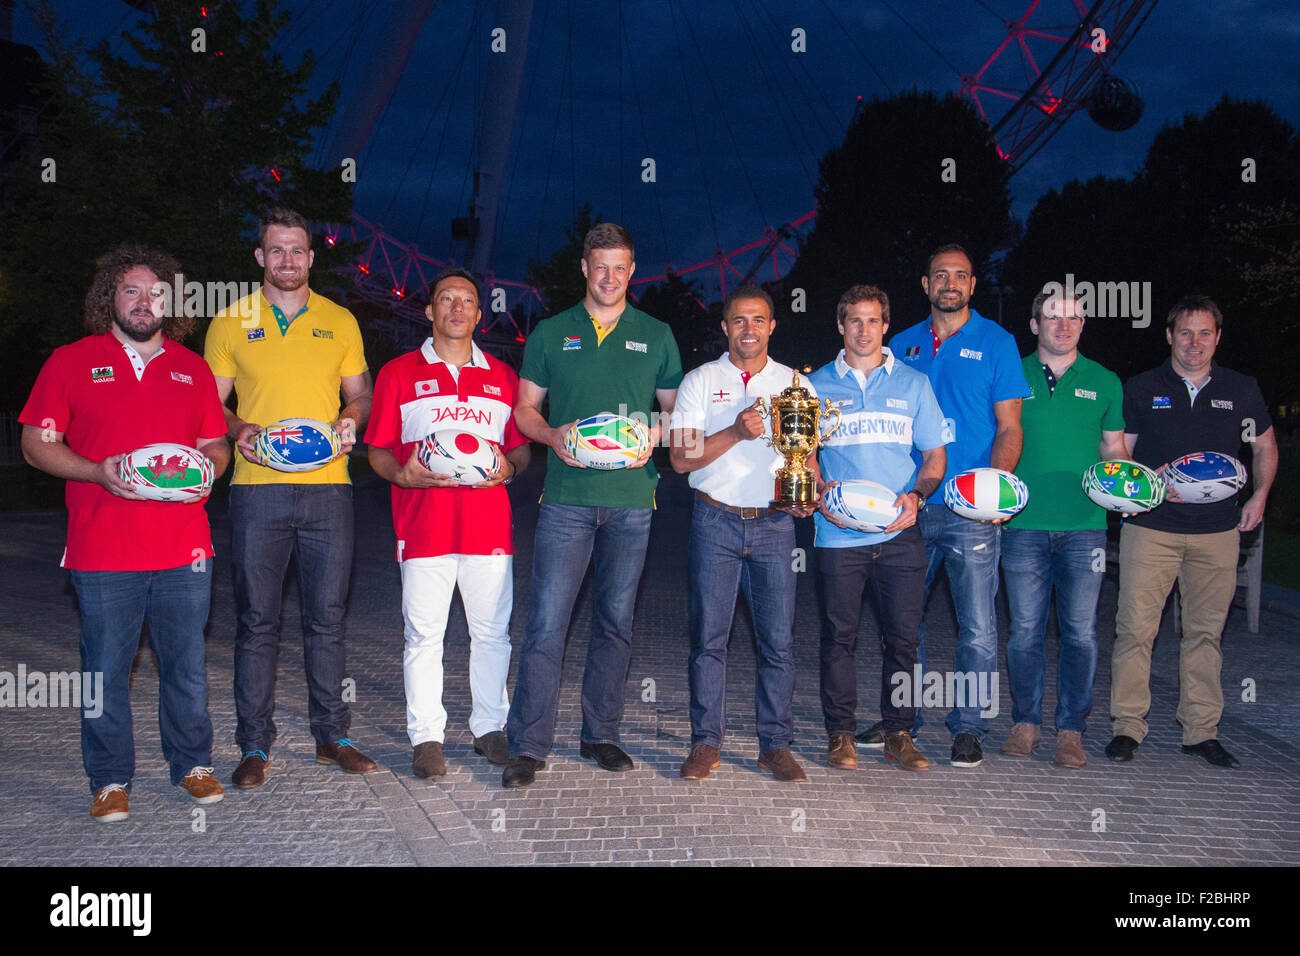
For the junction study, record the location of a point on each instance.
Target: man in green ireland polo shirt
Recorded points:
(602, 355)
(1059, 540)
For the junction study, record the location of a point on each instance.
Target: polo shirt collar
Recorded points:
(580, 312)
(287, 320)
(476, 357)
(973, 324)
(138, 361)
(843, 368)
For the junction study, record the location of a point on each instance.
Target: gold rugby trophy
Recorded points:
(796, 433)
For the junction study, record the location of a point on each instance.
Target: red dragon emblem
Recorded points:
(173, 467)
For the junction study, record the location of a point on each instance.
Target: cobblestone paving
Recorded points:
(1164, 808)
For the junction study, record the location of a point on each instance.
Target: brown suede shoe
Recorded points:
(202, 786)
(1069, 750)
(251, 772)
(427, 761)
(841, 752)
(783, 765)
(1022, 740)
(109, 804)
(344, 753)
(899, 747)
(702, 759)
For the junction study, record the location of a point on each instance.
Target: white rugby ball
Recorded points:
(167, 471)
(985, 494)
(297, 444)
(862, 505)
(607, 442)
(1123, 486)
(459, 455)
(1205, 477)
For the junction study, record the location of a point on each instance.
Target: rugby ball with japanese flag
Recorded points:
(607, 442)
(1205, 477)
(985, 494)
(461, 456)
(297, 444)
(1123, 486)
(862, 505)
(167, 472)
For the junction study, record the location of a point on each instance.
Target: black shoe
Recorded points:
(1121, 748)
(608, 756)
(873, 738)
(1212, 751)
(966, 750)
(494, 746)
(520, 771)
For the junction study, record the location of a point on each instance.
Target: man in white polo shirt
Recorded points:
(737, 540)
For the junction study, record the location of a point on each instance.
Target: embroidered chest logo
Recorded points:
(1085, 393)
(896, 403)
(913, 352)
(183, 378)
(721, 397)
(322, 333)
(492, 390)
(572, 343)
(1221, 403)
(1161, 401)
(972, 354)
(635, 346)
(256, 334)
(102, 374)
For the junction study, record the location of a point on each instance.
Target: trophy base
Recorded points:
(794, 488)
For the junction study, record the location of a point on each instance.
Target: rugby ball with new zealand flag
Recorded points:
(1205, 477)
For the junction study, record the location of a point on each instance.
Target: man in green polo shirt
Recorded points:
(1059, 540)
(602, 355)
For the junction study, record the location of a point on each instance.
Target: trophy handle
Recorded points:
(761, 404)
(839, 419)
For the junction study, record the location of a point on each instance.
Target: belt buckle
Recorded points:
(748, 514)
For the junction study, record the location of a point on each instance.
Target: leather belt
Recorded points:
(746, 513)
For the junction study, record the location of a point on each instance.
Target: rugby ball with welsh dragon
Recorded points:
(297, 444)
(1205, 477)
(607, 442)
(167, 471)
(1123, 486)
(459, 455)
(985, 494)
(862, 505)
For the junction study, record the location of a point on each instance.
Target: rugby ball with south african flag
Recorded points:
(985, 494)
(607, 442)
(167, 472)
(297, 444)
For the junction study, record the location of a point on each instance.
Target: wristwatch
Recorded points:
(920, 499)
(513, 472)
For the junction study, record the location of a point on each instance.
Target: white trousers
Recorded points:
(486, 584)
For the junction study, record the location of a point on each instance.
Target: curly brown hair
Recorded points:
(110, 268)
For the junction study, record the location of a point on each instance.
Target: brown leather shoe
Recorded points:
(427, 761)
(344, 753)
(783, 765)
(1022, 740)
(1069, 750)
(899, 747)
(109, 804)
(701, 760)
(202, 786)
(251, 772)
(842, 753)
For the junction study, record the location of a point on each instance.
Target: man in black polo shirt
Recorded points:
(1189, 404)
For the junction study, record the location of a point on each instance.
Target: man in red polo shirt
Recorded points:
(127, 384)
(450, 535)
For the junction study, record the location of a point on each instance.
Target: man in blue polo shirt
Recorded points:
(974, 367)
(887, 410)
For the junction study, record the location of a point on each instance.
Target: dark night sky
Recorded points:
(413, 175)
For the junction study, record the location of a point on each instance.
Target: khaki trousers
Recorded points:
(1205, 566)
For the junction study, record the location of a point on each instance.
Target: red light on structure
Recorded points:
(365, 269)
(398, 292)
(275, 173)
(520, 338)
(1049, 110)
(330, 240)
(203, 11)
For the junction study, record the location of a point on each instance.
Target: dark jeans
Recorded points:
(313, 525)
(567, 538)
(893, 575)
(114, 605)
(730, 554)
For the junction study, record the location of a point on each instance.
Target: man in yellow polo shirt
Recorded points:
(288, 353)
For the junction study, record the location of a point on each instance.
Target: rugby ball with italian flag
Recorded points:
(1123, 486)
(985, 494)
(1205, 477)
(167, 472)
(607, 442)
(862, 505)
(297, 444)
(462, 456)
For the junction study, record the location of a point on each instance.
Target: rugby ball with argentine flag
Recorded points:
(297, 444)
(1205, 477)
(985, 494)
(1123, 486)
(462, 456)
(167, 472)
(862, 505)
(607, 442)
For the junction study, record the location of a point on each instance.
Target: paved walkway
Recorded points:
(1164, 808)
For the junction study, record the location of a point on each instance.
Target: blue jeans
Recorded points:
(731, 554)
(114, 605)
(313, 525)
(968, 551)
(1035, 562)
(567, 538)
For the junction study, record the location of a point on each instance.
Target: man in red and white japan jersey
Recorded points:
(451, 535)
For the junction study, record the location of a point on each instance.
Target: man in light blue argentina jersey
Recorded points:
(887, 411)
